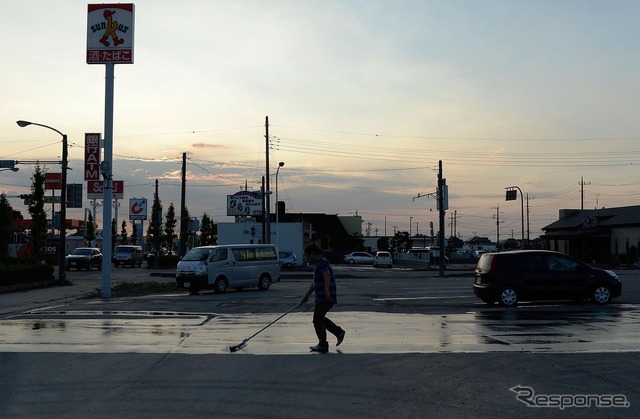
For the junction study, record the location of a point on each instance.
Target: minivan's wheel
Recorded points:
(220, 285)
(508, 297)
(601, 294)
(264, 283)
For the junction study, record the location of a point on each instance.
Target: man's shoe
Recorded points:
(323, 349)
(340, 338)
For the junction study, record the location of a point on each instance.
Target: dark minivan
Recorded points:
(510, 277)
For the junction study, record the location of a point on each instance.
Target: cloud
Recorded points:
(205, 145)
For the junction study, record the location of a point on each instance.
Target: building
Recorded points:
(334, 234)
(608, 236)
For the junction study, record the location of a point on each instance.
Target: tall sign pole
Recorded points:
(109, 42)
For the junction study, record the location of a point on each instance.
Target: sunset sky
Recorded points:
(363, 97)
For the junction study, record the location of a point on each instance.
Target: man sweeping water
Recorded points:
(324, 286)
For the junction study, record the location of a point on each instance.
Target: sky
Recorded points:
(364, 98)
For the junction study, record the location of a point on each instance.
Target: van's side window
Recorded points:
(266, 253)
(218, 255)
(240, 254)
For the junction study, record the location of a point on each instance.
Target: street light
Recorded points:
(277, 211)
(63, 200)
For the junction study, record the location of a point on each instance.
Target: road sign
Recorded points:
(137, 209)
(74, 195)
(51, 199)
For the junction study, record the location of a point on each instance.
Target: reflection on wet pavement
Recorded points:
(527, 329)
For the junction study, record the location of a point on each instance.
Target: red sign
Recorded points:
(91, 156)
(95, 189)
(110, 33)
(53, 181)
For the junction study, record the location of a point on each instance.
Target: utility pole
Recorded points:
(497, 226)
(264, 212)
(184, 222)
(267, 239)
(441, 208)
(528, 230)
(582, 192)
(157, 219)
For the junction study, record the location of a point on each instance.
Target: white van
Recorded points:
(236, 266)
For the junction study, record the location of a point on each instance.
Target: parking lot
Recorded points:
(401, 324)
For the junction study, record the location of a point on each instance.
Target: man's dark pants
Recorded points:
(321, 324)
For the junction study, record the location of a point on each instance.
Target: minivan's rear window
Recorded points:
(484, 263)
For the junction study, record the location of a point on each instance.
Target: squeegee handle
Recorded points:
(284, 314)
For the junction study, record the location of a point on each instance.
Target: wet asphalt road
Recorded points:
(417, 345)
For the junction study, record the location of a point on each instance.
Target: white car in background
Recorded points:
(358, 257)
(383, 259)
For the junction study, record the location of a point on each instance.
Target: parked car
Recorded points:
(510, 277)
(288, 259)
(128, 255)
(358, 257)
(383, 259)
(84, 257)
(228, 266)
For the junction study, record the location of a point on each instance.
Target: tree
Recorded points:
(90, 230)
(206, 231)
(400, 242)
(134, 233)
(38, 216)
(6, 217)
(170, 226)
(383, 243)
(154, 232)
(123, 232)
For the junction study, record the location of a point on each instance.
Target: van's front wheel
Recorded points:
(264, 283)
(220, 286)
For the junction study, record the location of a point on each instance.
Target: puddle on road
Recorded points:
(492, 330)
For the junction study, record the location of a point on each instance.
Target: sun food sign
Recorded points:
(110, 34)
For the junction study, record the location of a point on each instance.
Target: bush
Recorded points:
(22, 273)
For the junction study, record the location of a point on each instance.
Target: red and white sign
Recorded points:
(91, 156)
(95, 189)
(137, 209)
(53, 181)
(110, 33)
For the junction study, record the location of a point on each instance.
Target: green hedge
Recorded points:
(18, 274)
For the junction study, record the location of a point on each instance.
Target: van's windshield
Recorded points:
(197, 255)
